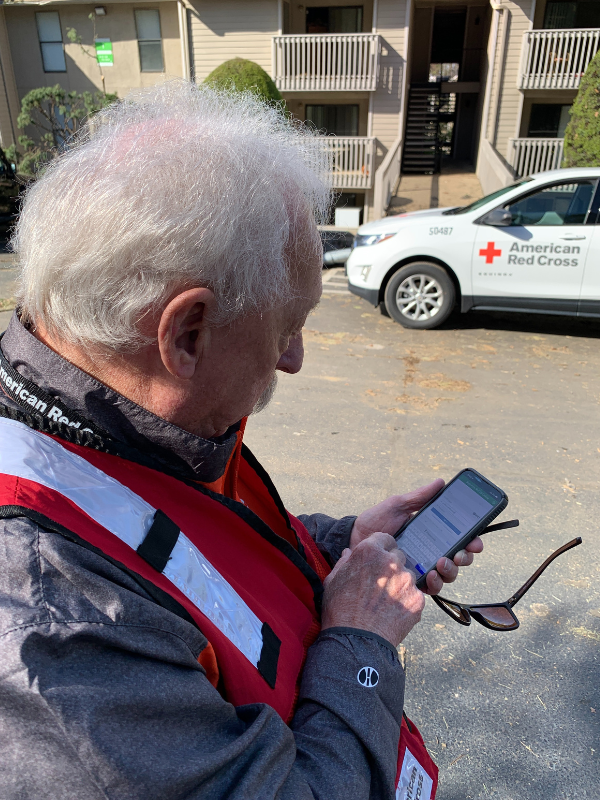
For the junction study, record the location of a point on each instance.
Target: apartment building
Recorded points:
(399, 85)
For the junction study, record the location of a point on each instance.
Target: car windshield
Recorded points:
(481, 202)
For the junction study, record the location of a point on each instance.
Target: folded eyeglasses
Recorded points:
(498, 616)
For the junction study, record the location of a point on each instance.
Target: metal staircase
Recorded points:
(421, 154)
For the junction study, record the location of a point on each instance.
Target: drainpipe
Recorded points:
(184, 38)
(500, 86)
(369, 192)
(405, 53)
(370, 114)
(491, 68)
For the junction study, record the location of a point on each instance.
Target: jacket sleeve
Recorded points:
(330, 535)
(102, 696)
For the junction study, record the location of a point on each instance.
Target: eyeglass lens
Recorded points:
(455, 610)
(498, 616)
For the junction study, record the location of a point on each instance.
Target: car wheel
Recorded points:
(420, 295)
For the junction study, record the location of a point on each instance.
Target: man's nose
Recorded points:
(291, 360)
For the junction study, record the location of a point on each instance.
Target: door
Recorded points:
(589, 301)
(536, 263)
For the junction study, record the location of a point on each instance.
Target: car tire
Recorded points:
(383, 310)
(420, 295)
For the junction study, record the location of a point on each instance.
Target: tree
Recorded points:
(55, 115)
(242, 75)
(582, 136)
(74, 37)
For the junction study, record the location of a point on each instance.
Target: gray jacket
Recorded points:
(101, 693)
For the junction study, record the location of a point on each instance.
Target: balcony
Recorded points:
(338, 62)
(557, 59)
(535, 155)
(352, 160)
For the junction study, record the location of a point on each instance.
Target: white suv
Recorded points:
(533, 246)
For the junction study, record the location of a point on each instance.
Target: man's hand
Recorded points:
(392, 513)
(369, 588)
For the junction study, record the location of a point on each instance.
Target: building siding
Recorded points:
(82, 72)
(391, 17)
(505, 109)
(228, 29)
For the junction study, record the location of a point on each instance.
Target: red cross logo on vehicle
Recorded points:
(490, 252)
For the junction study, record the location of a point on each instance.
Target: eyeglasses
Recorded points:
(498, 616)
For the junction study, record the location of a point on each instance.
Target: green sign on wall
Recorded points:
(104, 52)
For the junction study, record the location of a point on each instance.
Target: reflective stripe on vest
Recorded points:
(35, 457)
(269, 578)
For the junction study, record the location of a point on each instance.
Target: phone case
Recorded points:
(481, 525)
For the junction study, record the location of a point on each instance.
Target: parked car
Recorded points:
(531, 247)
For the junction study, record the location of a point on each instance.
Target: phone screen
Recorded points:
(436, 530)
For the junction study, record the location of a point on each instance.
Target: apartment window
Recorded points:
(336, 120)
(572, 14)
(147, 23)
(548, 120)
(345, 19)
(51, 43)
(448, 71)
(286, 17)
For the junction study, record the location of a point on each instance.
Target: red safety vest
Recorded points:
(241, 568)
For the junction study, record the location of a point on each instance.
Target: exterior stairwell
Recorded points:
(421, 152)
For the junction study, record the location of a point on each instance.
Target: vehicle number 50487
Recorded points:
(440, 231)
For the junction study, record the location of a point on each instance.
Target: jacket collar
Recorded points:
(204, 459)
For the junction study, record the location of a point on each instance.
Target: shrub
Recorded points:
(582, 137)
(242, 75)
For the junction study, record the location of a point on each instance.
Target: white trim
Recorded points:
(28, 454)
(521, 94)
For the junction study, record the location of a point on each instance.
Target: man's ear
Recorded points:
(183, 332)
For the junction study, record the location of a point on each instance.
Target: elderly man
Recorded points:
(165, 630)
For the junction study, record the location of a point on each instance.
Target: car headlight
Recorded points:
(364, 273)
(365, 240)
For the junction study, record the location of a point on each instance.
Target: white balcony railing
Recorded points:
(557, 59)
(352, 160)
(339, 62)
(535, 155)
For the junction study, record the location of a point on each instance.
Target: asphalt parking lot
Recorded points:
(377, 410)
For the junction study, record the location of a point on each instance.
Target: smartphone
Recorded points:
(462, 509)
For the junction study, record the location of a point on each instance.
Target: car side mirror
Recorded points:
(498, 217)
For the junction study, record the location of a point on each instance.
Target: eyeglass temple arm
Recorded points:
(528, 584)
(500, 526)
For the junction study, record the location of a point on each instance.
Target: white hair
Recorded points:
(175, 187)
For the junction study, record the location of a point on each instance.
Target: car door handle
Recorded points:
(572, 238)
